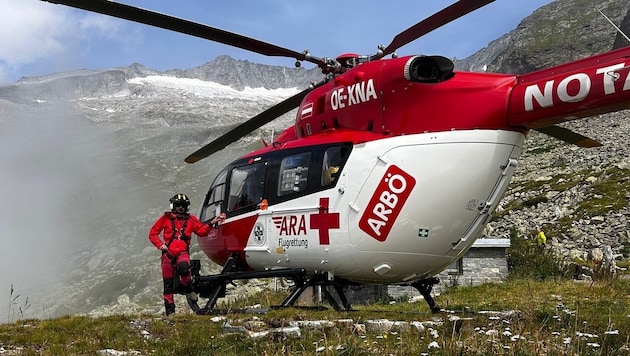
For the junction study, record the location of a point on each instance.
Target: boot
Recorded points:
(169, 308)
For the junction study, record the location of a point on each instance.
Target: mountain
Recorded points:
(561, 31)
(90, 158)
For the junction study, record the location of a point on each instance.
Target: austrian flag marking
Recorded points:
(386, 203)
(307, 111)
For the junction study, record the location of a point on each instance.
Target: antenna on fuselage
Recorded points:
(615, 26)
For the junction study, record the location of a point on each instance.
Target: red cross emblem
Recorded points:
(324, 221)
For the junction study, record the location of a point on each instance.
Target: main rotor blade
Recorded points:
(439, 19)
(152, 18)
(568, 136)
(248, 126)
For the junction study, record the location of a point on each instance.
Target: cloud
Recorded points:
(101, 26)
(30, 31)
(48, 37)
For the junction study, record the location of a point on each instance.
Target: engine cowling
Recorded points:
(429, 69)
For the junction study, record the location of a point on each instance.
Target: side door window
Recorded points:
(334, 159)
(293, 174)
(331, 166)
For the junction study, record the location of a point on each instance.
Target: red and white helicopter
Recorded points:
(393, 166)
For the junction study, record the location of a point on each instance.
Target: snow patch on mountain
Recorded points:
(206, 89)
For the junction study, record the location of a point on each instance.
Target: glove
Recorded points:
(217, 219)
(164, 247)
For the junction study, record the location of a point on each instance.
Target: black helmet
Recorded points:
(180, 200)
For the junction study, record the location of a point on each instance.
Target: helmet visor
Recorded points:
(180, 203)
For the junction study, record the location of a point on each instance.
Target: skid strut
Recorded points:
(323, 281)
(425, 286)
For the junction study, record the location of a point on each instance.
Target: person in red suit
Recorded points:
(176, 227)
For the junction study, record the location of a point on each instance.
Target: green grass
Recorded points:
(552, 316)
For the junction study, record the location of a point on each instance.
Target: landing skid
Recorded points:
(214, 287)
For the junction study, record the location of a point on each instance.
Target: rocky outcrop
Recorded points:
(561, 31)
(579, 196)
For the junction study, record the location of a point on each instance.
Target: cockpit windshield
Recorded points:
(212, 204)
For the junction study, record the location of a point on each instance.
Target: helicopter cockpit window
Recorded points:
(293, 173)
(212, 204)
(247, 185)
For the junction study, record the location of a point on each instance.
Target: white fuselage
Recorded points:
(404, 208)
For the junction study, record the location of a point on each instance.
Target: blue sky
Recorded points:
(38, 38)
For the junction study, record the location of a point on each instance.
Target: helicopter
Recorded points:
(393, 167)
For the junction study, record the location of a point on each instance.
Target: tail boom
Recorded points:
(587, 87)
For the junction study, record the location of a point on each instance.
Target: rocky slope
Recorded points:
(561, 31)
(579, 196)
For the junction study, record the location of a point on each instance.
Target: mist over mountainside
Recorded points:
(90, 157)
(97, 156)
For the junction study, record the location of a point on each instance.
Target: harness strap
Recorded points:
(181, 235)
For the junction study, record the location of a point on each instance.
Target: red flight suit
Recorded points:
(182, 260)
